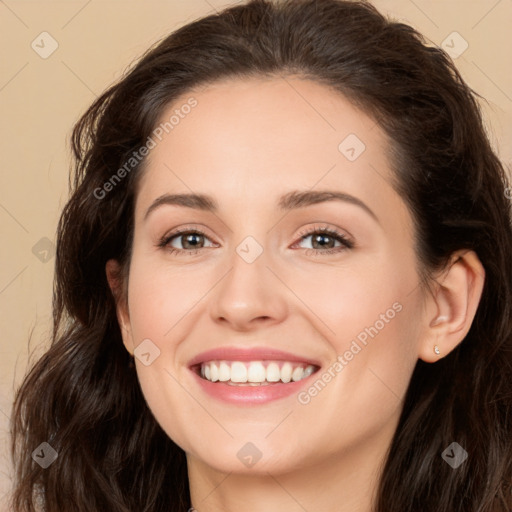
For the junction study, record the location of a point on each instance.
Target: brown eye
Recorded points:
(191, 241)
(324, 241)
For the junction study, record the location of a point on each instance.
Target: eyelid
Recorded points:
(324, 228)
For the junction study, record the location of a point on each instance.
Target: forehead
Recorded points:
(279, 112)
(256, 139)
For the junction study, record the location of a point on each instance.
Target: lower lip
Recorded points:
(250, 395)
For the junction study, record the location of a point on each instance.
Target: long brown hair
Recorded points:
(82, 397)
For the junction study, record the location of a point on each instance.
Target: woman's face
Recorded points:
(267, 296)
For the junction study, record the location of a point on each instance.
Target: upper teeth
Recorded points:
(255, 371)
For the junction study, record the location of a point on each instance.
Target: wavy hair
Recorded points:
(83, 397)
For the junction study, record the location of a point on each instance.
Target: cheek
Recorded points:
(369, 315)
(360, 394)
(361, 299)
(160, 296)
(159, 299)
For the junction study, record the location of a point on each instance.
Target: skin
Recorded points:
(246, 143)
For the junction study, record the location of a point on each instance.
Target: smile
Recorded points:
(255, 373)
(251, 376)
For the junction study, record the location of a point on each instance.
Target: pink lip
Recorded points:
(249, 395)
(249, 354)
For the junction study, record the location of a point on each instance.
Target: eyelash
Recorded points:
(347, 244)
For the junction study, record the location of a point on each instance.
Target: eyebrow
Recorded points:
(289, 201)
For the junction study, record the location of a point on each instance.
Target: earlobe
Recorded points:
(454, 303)
(115, 281)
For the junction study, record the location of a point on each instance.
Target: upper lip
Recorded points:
(249, 354)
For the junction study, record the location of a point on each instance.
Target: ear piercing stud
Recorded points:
(436, 350)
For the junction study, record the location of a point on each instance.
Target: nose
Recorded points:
(249, 295)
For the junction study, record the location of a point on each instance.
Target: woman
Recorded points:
(205, 356)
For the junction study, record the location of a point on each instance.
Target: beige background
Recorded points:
(40, 99)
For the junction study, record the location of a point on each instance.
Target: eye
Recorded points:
(326, 238)
(191, 240)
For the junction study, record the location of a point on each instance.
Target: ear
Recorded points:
(452, 306)
(117, 287)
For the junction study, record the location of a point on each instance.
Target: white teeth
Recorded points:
(238, 372)
(308, 371)
(297, 374)
(214, 372)
(254, 373)
(224, 372)
(273, 373)
(286, 372)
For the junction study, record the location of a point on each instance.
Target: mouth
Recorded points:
(251, 376)
(254, 373)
